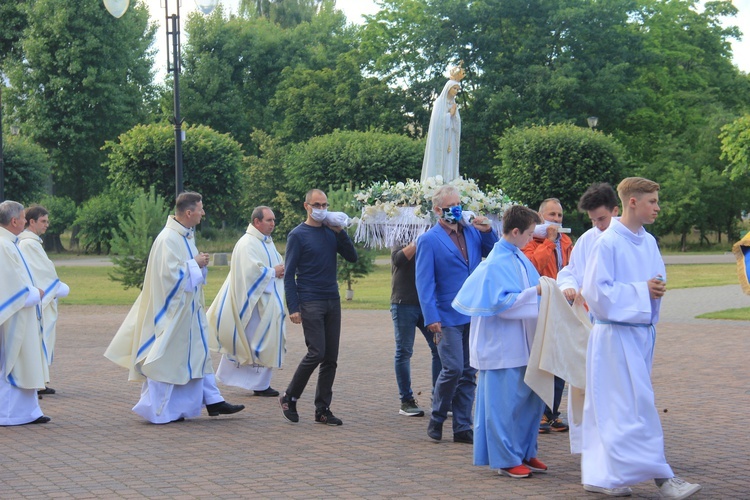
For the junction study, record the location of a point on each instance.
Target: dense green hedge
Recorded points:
(558, 161)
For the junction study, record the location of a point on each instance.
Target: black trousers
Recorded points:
(553, 413)
(321, 324)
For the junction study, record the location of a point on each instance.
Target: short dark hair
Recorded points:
(519, 217)
(599, 194)
(34, 212)
(258, 213)
(186, 201)
(308, 195)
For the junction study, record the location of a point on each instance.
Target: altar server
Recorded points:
(623, 442)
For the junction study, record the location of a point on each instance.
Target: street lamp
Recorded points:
(117, 8)
(592, 120)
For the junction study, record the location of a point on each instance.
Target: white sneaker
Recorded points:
(678, 488)
(613, 492)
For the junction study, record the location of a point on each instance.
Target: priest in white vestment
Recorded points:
(23, 367)
(163, 341)
(45, 277)
(501, 296)
(623, 442)
(247, 317)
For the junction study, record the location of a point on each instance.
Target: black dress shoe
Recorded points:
(40, 420)
(267, 393)
(435, 430)
(466, 436)
(46, 390)
(223, 408)
(181, 419)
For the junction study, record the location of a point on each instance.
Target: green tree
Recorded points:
(131, 245)
(263, 177)
(683, 70)
(84, 78)
(12, 23)
(558, 161)
(543, 61)
(363, 157)
(317, 102)
(696, 191)
(349, 273)
(27, 169)
(286, 13)
(735, 147)
(233, 68)
(144, 157)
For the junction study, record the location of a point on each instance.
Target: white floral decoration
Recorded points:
(398, 213)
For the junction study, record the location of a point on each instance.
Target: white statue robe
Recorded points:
(247, 317)
(164, 338)
(623, 442)
(45, 277)
(23, 368)
(443, 139)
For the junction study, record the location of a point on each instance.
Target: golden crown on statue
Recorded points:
(457, 73)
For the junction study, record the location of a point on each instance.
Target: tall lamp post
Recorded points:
(592, 121)
(172, 25)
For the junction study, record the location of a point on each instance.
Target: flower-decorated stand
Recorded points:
(398, 213)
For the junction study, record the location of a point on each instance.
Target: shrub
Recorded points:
(144, 157)
(137, 231)
(558, 161)
(359, 157)
(27, 169)
(98, 220)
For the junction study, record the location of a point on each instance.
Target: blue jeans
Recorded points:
(457, 382)
(406, 319)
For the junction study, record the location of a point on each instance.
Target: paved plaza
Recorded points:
(95, 447)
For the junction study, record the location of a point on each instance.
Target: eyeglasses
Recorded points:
(318, 205)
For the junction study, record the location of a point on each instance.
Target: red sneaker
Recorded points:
(518, 471)
(535, 465)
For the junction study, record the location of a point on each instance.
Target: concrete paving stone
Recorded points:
(95, 446)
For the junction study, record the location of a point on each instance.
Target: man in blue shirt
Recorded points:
(446, 256)
(312, 298)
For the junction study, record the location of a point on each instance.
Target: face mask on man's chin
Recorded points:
(319, 214)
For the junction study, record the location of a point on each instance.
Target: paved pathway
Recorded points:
(95, 447)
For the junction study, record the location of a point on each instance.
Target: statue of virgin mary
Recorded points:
(444, 132)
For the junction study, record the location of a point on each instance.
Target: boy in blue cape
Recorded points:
(501, 295)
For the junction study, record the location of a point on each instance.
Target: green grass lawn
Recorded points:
(697, 275)
(92, 286)
(741, 314)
